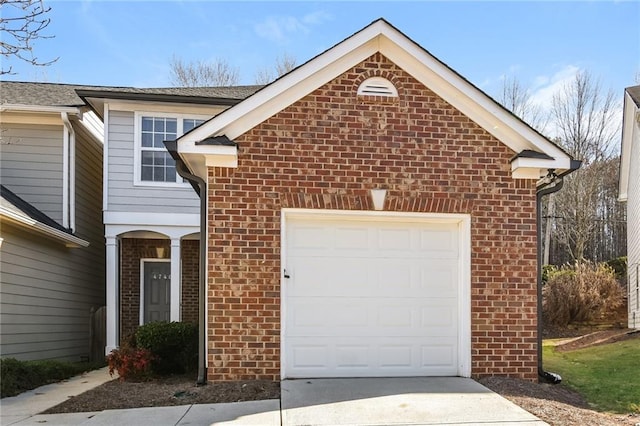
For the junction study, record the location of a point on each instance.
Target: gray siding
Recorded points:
(633, 230)
(123, 195)
(31, 165)
(47, 291)
(46, 294)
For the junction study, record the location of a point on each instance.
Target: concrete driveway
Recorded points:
(379, 401)
(397, 401)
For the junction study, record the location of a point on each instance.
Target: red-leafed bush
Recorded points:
(131, 363)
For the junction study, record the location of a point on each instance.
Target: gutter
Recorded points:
(70, 174)
(557, 182)
(71, 241)
(200, 187)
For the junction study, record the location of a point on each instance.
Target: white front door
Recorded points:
(372, 296)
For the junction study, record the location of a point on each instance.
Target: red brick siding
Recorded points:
(190, 251)
(327, 150)
(134, 249)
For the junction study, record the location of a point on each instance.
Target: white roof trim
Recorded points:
(24, 220)
(199, 157)
(630, 133)
(380, 36)
(38, 108)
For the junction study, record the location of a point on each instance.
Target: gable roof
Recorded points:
(19, 211)
(41, 94)
(54, 94)
(222, 96)
(630, 135)
(381, 36)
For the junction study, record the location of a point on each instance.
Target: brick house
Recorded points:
(371, 213)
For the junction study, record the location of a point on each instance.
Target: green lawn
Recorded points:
(608, 376)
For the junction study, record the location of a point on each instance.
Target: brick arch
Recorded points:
(386, 73)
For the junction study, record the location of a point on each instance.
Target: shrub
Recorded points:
(130, 363)
(580, 293)
(619, 266)
(19, 376)
(547, 271)
(174, 346)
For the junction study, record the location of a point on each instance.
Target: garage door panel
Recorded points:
(349, 238)
(335, 357)
(359, 277)
(359, 318)
(369, 298)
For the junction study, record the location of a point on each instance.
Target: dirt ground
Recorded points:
(555, 404)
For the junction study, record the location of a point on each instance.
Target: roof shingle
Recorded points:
(64, 95)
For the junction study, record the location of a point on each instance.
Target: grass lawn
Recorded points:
(608, 376)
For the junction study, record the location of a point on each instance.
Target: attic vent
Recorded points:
(378, 86)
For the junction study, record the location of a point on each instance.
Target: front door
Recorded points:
(157, 291)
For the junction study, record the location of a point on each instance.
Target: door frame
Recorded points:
(142, 262)
(464, 280)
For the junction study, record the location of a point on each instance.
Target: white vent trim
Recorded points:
(378, 86)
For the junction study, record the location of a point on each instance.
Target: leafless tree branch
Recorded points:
(21, 23)
(202, 74)
(283, 65)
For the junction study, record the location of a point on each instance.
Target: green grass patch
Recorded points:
(20, 376)
(608, 376)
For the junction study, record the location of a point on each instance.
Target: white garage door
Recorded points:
(369, 296)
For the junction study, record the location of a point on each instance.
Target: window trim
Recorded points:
(137, 145)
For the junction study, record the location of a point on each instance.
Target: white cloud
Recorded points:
(280, 28)
(544, 86)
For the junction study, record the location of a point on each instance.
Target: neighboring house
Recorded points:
(630, 192)
(51, 237)
(370, 213)
(151, 215)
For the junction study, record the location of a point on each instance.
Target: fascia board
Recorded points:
(464, 96)
(69, 240)
(199, 157)
(38, 108)
(287, 90)
(629, 132)
(539, 163)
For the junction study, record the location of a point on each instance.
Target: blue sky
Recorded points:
(541, 43)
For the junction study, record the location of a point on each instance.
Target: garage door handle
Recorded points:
(286, 275)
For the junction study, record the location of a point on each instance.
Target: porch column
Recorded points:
(175, 279)
(112, 295)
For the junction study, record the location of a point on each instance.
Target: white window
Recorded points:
(153, 163)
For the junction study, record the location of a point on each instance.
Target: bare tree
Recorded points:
(517, 99)
(21, 23)
(283, 65)
(583, 116)
(200, 74)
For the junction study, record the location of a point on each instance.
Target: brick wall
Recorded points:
(327, 151)
(190, 250)
(134, 249)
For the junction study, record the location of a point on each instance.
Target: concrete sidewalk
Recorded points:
(376, 401)
(20, 407)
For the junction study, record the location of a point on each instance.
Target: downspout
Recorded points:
(71, 224)
(200, 187)
(558, 183)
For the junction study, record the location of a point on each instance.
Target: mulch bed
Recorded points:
(166, 391)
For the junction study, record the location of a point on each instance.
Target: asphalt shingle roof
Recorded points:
(15, 204)
(634, 92)
(64, 95)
